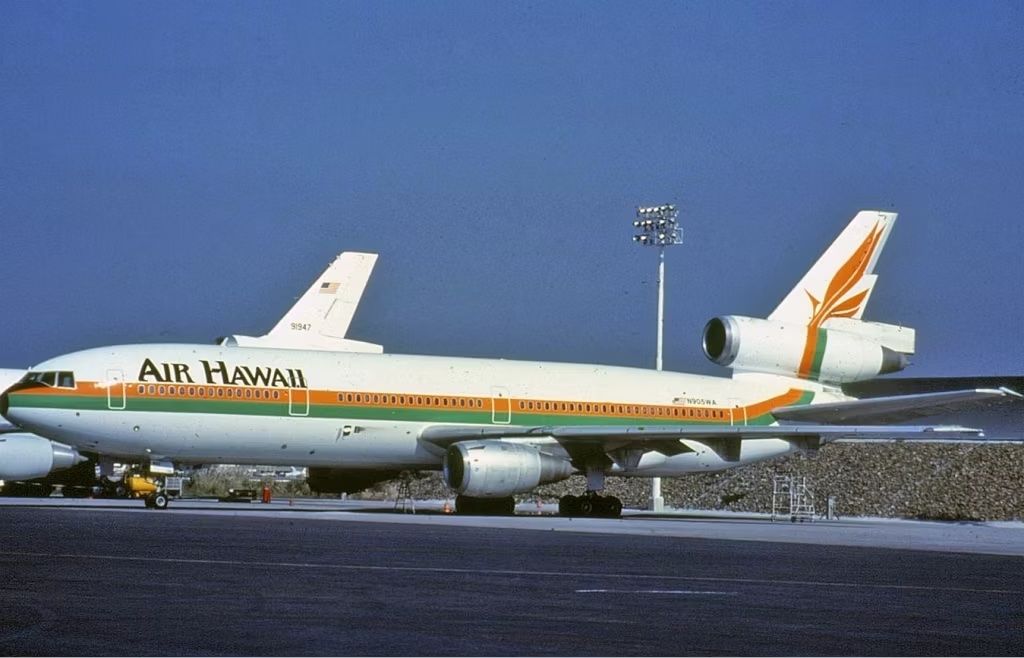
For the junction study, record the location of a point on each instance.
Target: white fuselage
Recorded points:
(212, 404)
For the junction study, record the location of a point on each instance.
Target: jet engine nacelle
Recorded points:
(853, 353)
(27, 456)
(496, 469)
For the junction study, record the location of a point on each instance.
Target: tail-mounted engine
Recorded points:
(841, 350)
(495, 469)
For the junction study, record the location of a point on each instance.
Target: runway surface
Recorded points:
(123, 581)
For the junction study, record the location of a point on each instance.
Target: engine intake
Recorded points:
(496, 469)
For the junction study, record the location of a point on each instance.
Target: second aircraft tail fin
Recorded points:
(328, 306)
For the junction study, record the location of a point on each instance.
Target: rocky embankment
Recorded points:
(927, 481)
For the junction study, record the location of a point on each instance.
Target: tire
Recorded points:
(568, 505)
(506, 507)
(148, 500)
(465, 505)
(160, 501)
(613, 508)
(586, 506)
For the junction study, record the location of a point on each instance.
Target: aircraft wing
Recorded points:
(894, 408)
(624, 443)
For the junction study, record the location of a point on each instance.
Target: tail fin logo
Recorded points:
(837, 302)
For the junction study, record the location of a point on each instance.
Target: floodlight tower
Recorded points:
(657, 227)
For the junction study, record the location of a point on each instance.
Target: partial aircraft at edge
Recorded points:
(320, 319)
(495, 427)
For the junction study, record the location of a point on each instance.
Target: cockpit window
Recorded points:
(53, 378)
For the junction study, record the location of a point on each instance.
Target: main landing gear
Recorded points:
(590, 504)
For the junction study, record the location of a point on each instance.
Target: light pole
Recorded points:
(657, 227)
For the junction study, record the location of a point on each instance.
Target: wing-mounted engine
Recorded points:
(496, 469)
(27, 456)
(841, 350)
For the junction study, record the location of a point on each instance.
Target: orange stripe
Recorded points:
(568, 408)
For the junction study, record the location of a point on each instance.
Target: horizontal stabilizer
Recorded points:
(892, 409)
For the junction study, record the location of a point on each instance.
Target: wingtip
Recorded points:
(1011, 392)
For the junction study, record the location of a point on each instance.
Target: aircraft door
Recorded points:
(115, 389)
(298, 401)
(501, 406)
(737, 412)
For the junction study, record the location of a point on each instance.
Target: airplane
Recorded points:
(319, 319)
(495, 427)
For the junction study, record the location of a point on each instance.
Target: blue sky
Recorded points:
(179, 171)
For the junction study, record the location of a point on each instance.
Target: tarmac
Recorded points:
(322, 577)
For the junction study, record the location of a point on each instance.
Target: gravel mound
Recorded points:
(925, 481)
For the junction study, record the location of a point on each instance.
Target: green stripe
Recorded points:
(819, 354)
(279, 408)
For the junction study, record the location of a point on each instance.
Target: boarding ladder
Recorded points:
(791, 497)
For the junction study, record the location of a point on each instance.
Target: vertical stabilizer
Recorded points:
(328, 306)
(840, 283)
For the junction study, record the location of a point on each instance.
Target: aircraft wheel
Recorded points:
(465, 505)
(586, 505)
(613, 507)
(568, 505)
(160, 501)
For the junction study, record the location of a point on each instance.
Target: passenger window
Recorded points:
(152, 389)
